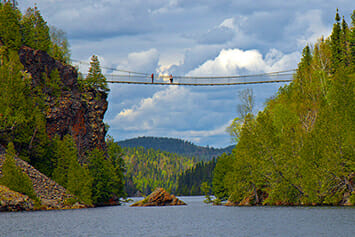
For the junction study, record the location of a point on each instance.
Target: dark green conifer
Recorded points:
(10, 33)
(95, 79)
(336, 48)
(35, 30)
(13, 177)
(352, 41)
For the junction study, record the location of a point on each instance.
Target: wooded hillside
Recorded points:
(300, 149)
(177, 146)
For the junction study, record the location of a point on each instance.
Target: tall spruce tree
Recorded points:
(35, 30)
(10, 33)
(336, 47)
(95, 79)
(352, 41)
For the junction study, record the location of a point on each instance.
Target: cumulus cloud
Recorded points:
(236, 61)
(144, 61)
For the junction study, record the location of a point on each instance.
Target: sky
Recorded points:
(188, 37)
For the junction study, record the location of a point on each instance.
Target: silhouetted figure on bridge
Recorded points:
(152, 76)
(171, 78)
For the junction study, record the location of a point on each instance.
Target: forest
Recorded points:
(94, 177)
(300, 149)
(178, 146)
(147, 169)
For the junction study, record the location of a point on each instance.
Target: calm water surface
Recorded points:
(195, 219)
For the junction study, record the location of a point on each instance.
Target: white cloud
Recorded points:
(310, 27)
(144, 61)
(236, 61)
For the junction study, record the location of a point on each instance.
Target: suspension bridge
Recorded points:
(130, 77)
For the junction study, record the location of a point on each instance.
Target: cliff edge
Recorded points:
(75, 112)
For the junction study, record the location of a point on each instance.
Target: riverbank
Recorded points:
(51, 195)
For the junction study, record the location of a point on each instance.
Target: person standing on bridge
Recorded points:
(171, 78)
(152, 76)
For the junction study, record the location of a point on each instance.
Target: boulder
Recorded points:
(159, 198)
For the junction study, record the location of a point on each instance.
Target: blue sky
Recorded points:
(188, 37)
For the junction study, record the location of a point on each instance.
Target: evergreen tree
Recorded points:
(352, 41)
(10, 33)
(336, 47)
(35, 30)
(65, 154)
(68, 172)
(80, 181)
(106, 184)
(95, 79)
(13, 177)
(116, 154)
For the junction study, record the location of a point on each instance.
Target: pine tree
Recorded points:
(65, 152)
(13, 177)
(352, 41)
(336, 48)
(35, 30)
(95, 79)
(10, 25)
(106, 184)
(80, 181)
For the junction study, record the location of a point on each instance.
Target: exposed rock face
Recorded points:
(51, 194)
(80, 115)
(159, 198)
(14, 201)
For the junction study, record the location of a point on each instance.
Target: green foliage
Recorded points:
(53, 84)
(35, 30)
(116, 155)
(147, 169)
(189, 182)
(95, 79)
(300, 149)
(106, 183)
(178, 146)
(67, 170)
(206, 189)
(10, 33)
(80, 182)
(13, 177)
(218, 183)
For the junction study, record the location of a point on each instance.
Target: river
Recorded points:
(195, 219)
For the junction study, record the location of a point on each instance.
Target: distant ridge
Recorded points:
(175, 145)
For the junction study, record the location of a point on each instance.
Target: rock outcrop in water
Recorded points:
(159, 198)
(73, 112)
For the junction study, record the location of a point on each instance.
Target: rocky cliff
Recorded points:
(73, 112)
